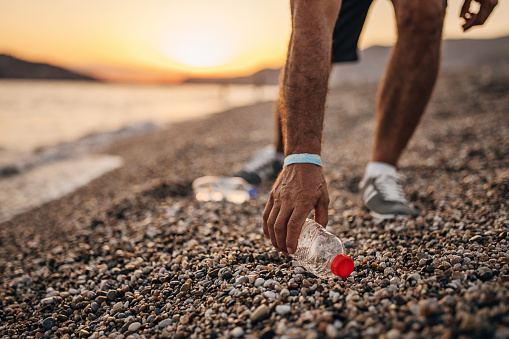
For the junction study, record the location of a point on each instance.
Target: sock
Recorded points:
(375, 168)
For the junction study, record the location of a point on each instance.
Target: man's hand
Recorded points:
(479, 18)
(299, 189)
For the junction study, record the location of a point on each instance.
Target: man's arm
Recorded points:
(300, 188)
(479, 18)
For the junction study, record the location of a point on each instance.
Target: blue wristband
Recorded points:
(303, 158)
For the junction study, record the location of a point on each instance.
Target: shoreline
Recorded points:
(135, 242)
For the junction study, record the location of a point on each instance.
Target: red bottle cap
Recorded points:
(342, 265)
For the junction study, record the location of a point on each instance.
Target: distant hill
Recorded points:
(14, 68)
(456, 55)
(264, 77)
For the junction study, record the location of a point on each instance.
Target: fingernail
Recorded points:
(290, 251)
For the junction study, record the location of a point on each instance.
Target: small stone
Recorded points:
(269, 294)
(62, 318)
(112, 295)
(46, 301)
(252, 278)
(84, 333)
(237, 332)
(331, 331)
(293, 286)
(118, 307)
(95, 306)
(298, 270)
(388, 271)
(241, 280)
(214, 273)
(475, 238)
(413, 276)
(485, 273)
(283, 309)
(134, 327)
(262, 312)
(185, 287)
(393, 334)
(73, 291)
(348, 243)
(259, 282)
(48, 323)
(164, 323)
(225, 274)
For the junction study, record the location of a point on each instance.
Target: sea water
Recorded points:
(47, 126)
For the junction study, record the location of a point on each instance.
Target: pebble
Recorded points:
(118, 307)
(283, 309)
(112, 295)
(237, 332)
(185, 287)
(475, 238)
(95, 306)
(485, 273)
(134, 327)
(299, 270)
(48, 323)
(259, 282)
(241, 280)
(46, 301)
(269, 294)
(262, 312)
(165, 323)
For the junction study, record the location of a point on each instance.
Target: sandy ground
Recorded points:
(133, 254)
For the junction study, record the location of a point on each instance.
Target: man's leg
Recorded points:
(402, 98)
(410, 76)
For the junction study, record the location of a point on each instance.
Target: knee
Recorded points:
(420, 18)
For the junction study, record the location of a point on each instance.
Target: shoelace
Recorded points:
(390, 188)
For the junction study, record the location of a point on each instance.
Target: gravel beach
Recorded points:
(133, 255)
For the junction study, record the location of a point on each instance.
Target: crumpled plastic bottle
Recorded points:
(219, 188)
(321, 252)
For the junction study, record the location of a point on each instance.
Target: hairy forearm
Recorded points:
(305, 84)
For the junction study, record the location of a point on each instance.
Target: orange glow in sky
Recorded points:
(173, 39)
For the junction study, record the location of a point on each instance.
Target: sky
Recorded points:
(173, 39)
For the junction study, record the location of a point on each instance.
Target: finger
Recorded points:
(484, 12)
(280, 227)
(465, 8)
(266, 214)
(469, 22)
(270, 224)
(294, 227)
(480, 17)
(322, 211)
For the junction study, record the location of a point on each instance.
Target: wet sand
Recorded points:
(132, 253)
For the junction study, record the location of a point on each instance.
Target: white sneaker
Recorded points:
(383, 196)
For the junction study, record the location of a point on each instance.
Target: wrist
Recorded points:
(303, 158)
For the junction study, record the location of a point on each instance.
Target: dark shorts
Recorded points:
(348, 29)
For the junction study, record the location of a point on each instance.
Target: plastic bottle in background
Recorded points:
(321, 252)
(217, 188)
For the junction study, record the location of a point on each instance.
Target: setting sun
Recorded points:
(198, 47)
(203, 41)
